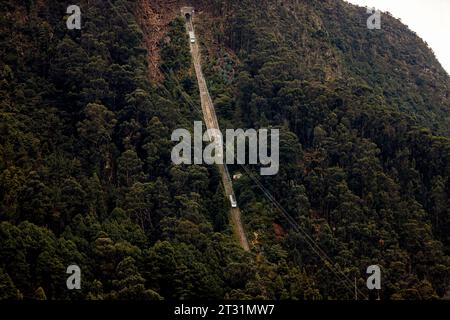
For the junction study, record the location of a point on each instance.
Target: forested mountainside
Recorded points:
(86, 176)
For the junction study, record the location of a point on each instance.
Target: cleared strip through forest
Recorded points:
(210, 117)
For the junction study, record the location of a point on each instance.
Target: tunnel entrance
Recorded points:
(188, 13)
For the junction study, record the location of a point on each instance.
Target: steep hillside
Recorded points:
(360, 171)
(85, 171)
(328, 42)
(86, 176)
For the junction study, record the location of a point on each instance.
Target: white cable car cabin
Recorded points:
(233, 201)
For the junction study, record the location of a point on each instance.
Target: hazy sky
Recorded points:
(430, 19)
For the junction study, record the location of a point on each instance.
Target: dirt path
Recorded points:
(210, 117)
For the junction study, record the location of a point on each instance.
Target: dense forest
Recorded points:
(86, 176)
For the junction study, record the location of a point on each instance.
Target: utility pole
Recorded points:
(356, 291)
